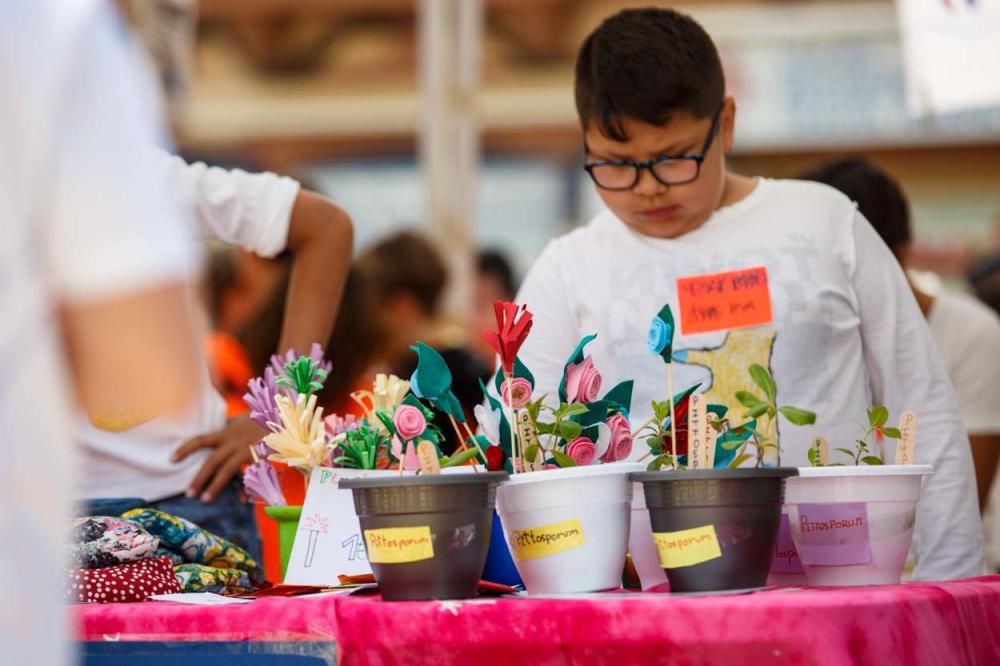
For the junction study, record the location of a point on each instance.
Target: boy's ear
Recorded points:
(728, 122)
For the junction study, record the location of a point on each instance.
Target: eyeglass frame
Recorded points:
(697, 158)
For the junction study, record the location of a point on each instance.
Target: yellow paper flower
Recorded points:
(301, 442)
(387, 393)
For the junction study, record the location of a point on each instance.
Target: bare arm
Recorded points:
(985, 456)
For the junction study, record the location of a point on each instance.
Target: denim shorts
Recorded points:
(228, 516)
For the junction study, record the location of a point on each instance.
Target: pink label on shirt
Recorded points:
(834, 534)
(786, 556)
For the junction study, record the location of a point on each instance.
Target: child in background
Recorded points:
(846, 334)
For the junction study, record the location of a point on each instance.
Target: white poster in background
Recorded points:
(329, 541)
(951, 54)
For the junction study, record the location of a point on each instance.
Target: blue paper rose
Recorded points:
(659, 335)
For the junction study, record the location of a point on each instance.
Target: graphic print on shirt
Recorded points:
(727, 366)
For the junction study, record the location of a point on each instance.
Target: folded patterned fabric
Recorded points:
(103, 541)
(135, 581)
(194, 544)
(199, 578)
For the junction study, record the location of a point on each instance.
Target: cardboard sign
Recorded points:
(685, 548)
(329, 540)
(710, 436)
(821, 451)
(724, 301)
(906, 446)
(398, 545)
(834, 534)
(427, 455)
(696, 430)
(534, 542)
(527, 437)
(786, 556)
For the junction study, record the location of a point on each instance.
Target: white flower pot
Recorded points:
(567, 529)
(854, 525)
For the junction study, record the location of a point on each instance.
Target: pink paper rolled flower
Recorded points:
(583, 381)
(516, 392)
(620, 445)
(409, 422)
(582, 450)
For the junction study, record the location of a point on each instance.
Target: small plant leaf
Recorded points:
(872, 460)
(562, 459)
(878, 416)
(570, 430)
(748, 400)
(813, 459)
(847, 451)
(892, 433)
(762, 378)
(757, 411)
(531, 452)
(575, 409)
(799, 417)
(739, 460)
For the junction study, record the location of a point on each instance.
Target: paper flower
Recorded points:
(338, 425)
(412, 461)
(432, 381)
(620, 445)
(311, 371)
(301, 441)
(583, 381)
(488, 422)
(513, 326)
(261, 483)
(495, 459)
(516, 392)
(262, 450)
(260, 400)
(660, 338)
(389, 391)
(409, 422)
(582, 450)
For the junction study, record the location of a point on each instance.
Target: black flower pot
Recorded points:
(426, 536)
(715, 529)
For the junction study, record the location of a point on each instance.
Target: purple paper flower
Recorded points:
(260, 400)
(262, 450)
(261, 483)
(321, 367)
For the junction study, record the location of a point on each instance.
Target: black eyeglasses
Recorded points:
(620, 175)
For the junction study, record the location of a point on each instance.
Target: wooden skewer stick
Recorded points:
(673, 421)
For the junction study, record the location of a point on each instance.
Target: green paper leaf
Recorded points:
(878, 415)
(872, 460)
(892, 433)
(799, 417)
(719, 411)
(762, 378)
(621, 396)
(562, 459)
(432, 376)
(460, 458)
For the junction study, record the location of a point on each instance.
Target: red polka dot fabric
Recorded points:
(136, 581)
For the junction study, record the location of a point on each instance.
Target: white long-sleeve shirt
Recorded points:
(847, 334)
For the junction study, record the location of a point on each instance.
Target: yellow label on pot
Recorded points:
(396, 545)
(687, 547)
(545, 540)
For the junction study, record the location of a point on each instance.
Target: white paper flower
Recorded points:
(301, 442)
(489, 424)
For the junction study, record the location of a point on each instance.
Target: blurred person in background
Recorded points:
(188, 466)
(966, 333)
(95, 256)
(494, 282)
(407, 278)
(984, 279)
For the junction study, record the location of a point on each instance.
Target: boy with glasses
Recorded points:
(844, 331)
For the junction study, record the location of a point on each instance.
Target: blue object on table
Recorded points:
(499, 564)
(212, 653)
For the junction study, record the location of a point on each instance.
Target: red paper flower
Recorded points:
(494, 458)
(513, 326)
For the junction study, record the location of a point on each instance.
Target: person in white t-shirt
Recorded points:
(188, 466)
(94, 257)
(846, 334)
(966, 332)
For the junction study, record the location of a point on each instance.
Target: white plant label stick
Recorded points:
(696, 431)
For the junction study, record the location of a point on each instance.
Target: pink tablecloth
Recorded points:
(947, 623)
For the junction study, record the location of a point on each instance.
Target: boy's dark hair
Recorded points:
(494, 264)
(877, 194)
(405, 262)
(647, 64)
